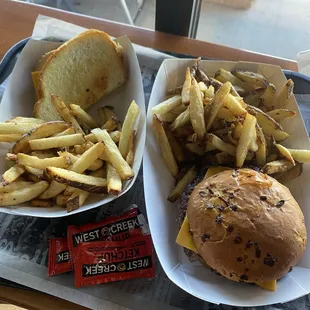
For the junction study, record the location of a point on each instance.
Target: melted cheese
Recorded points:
(35, 80)
(185, 239)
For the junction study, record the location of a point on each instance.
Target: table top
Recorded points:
(17, 20)
(16, 23)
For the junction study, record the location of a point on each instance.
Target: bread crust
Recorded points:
(246, 225)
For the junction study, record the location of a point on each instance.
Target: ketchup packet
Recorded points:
(59, 260)
(108, 261)
(114, 228)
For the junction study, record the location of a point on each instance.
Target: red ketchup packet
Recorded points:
(59, 260)
(108, 261)
(114, 228)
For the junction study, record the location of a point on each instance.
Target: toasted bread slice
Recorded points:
(81, 71)
(43, 60)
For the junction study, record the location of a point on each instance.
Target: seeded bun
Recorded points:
(246, 225)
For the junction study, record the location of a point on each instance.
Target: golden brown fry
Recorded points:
(280, 114)
(114, 180)
(195, 149)
(246, 137)
(269, 126)
(165, 146)
(220, 145)
(196, 110)
(111, 124)
(285, 153)
(237, 130)
(22, 195)
(277, 166)
(17, 128)
(56, 142)
(128, 128)
(12, 174)
(10, 137)
(188, 178)
(40, 203)
(69, 131)
(76, 200)
(175, 146)
(182, 119)
(61, 200)
(253, 144)
(65, 113)
(16, 185)
(226, 115)
(131, 151)
(269, 97)
(302, 156)
(85, 182)
(186, 87)
(83, 116)
(167, 105)
(254, 79)
(253, 98)
(261, 153)
(225, 76)
(217, 104)
(114, 155)
(285, 94)
(43, 131)
(35, 171)
(234, 105)
(33, 161)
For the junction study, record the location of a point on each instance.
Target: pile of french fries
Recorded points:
(231, 119)
(63, 162)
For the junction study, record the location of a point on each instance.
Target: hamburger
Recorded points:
(244, 225)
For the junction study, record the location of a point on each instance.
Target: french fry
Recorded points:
(113, 180)
(83, 116)
(226, 115)
(101, 173)
(280, 114)
(269, 126)
(234, 105)
(165, 146)
(167, 105)
(225, 76)
(35, 171)
(217, 104)
(115, 135)
(253, 144)
(17, 128)
(285, 94)
(246, 137)
(277, 166)
(43, 131)
(84, 182)
(269, 97)
(285, 153)
(261, 152)
(131, 152)
(220, 145)
(168, 117)
(10, 137)
(128, 127)
(237, 130)
(253, 98)
(40, 203)
(223, 158)
(43, 154)
(76, 200)
(254, 79)
(61, 200)
(106, 113)
(186, 87)
(289, 175)
(175, 146)
(80, 149)
(65, 113)
(209, 147)
(114, 155)
(195, 149)
(196, 110)
(271, 157)
(66, 132)
(111, 124)
(56, 142)
(16, 185)
(188, 178)
(20, 119)
(33, 161)
(12, 174)
(22, 195)
(302, 156)
(182, 119)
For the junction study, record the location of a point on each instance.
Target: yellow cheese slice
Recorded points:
(185, 239)
(35, 81)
